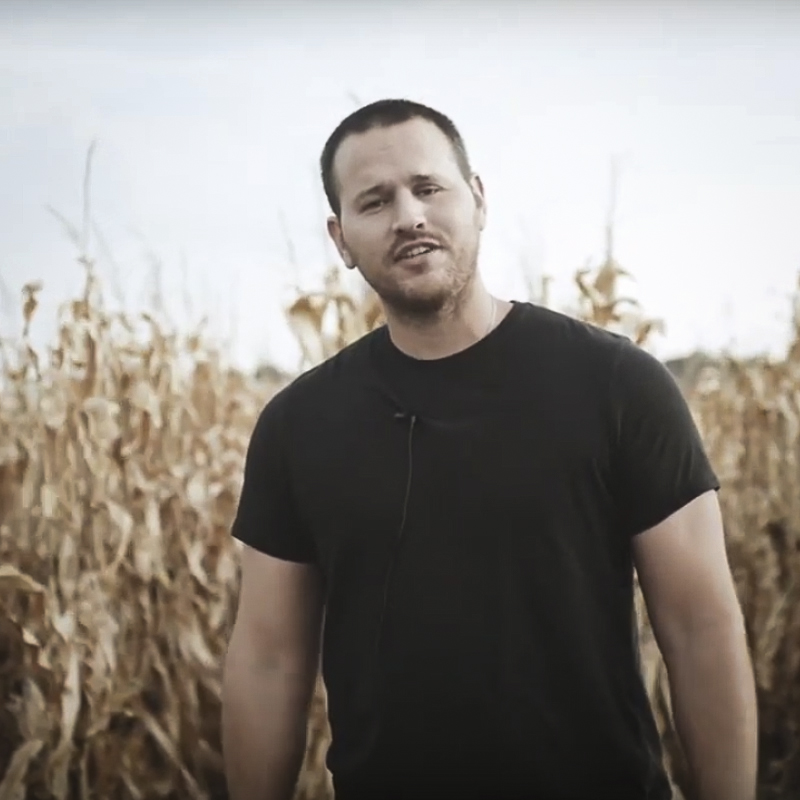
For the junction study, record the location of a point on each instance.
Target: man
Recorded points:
(462, 495)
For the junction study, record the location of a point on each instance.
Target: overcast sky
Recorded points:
(209, 120)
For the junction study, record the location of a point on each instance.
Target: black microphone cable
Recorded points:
(400, 415)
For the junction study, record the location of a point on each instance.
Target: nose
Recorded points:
(409, 212)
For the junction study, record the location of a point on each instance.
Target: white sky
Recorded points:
(209, 120)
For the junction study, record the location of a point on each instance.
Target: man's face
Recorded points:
(397, 186)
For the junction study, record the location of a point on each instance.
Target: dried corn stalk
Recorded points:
(121, 452)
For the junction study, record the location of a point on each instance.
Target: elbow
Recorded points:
(247, 663)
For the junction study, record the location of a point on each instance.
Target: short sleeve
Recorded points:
(267, 518)
(659, 460)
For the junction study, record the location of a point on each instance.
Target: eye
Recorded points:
(372, 204)
(429, 189)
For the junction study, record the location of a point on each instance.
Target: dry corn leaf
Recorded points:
(30, 292)
(34, 720)
(169, 750)
(29, 638)
(123, 524)
(70, 705)
(48, 496)
(606, 281)
(11, 579)
(9, 453)
(193, 645)
(143, 396)
(197, 491)
(65, 625)
(13, 784)
(102, 418)
(194, 558)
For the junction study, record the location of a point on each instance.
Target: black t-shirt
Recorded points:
(472, 517)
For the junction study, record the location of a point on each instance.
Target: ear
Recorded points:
(335, 232)
(476, 184)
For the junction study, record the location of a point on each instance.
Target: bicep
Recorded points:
(279, 613)
(684, 573)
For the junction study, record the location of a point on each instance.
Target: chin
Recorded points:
(422, 295)
(417, 304)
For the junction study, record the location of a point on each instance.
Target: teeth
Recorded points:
(417, 251)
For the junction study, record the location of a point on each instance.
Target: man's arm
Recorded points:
(698, 624)
(269, 676)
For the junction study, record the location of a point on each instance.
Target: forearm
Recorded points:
(264, 719)
(714, 705)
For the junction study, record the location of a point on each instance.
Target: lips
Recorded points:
(413, 249)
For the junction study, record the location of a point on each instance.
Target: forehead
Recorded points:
(392, 154)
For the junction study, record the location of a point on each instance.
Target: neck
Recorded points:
(451, 331)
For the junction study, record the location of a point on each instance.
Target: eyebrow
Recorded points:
(379, 187)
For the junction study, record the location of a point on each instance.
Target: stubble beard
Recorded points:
(424, 307)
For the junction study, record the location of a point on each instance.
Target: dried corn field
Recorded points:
(121, 452)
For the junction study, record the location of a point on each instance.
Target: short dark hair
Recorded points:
(384, 114)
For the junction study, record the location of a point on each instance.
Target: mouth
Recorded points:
(410, 252)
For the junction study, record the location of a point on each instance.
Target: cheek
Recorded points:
(366, 243)
(459, 220)
(461, 228)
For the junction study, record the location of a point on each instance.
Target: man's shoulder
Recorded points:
(570, 338)
(608, 359)
(321, 384)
